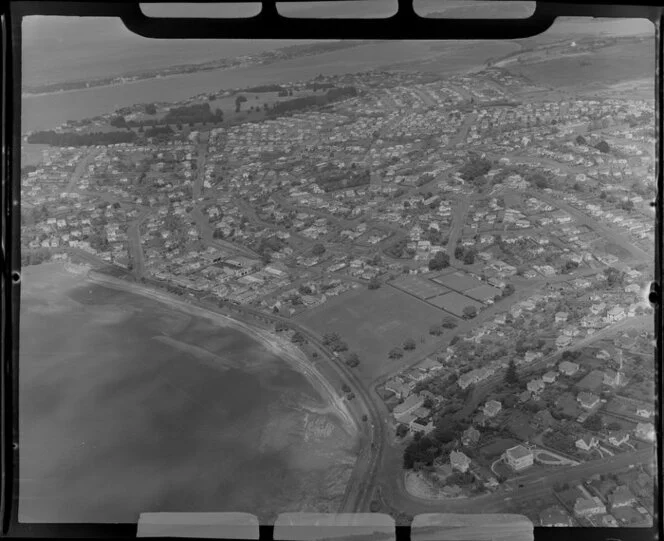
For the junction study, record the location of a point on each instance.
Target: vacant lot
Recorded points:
(374, 322)
(497, 447)
(454, 303)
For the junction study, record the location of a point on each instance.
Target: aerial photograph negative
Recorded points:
(406, 278)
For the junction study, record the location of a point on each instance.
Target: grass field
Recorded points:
(497, 447)
(458, 281)
(374, 322)
(420, 287)
(454, 303)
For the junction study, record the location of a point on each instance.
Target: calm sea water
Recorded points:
(114, 422)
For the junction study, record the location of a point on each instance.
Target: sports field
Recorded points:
(482, 293)
(372, 322)
(458, 281)
(418, 286)
(454, 303)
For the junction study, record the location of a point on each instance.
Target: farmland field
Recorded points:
(374, 322)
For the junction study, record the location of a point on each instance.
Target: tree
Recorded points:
(318, 249)
(151, 109)
(402, 430)
(298, 338)
(436, 330)
(458, 251)
(409, 344)
(440, 261)
(469, 312)
(353, 360)
(330, 337)
(580, 140)
(509, 290)
(594, 423)
(449, 322)
(374, 283)
(345, 388)
(395, 353)
(603, 147)
(469, 256)
(614, 425)
(511, 376)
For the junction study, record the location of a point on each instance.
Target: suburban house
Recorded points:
(568, 368)
(645, 431)
(613, 378)
(585, 507)
(549, 377)
(555, 516)
(563, 341)
(470, 436)
(587, 400)
(492, 408)
(615, 314)
(621, 497)
(398, 387)
(618, 437)
(419, 425)
(586, 443)
(561, 317)
(518, 457)
(459, 461)
(644, 412)
(535, 385)
(407, 406)
(524, 396)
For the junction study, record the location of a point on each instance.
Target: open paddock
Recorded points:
(497, 447)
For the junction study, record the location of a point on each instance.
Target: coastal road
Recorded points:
(535, 485)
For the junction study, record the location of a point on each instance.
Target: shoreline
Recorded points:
(289, 353)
